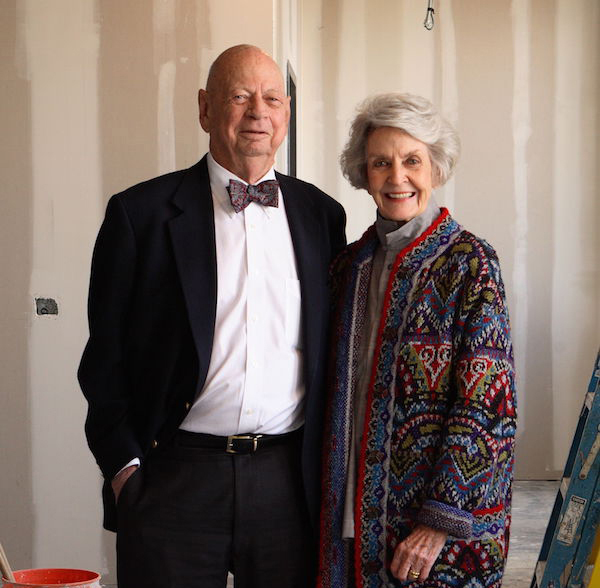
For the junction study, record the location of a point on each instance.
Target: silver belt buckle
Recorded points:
(232, 438)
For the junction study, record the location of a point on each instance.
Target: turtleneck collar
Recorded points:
(395, 235)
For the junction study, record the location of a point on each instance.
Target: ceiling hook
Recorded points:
(428, 22)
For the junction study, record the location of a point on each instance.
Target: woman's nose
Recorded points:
(397, 173)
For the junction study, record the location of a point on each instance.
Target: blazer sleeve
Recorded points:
(474, 470)
(102, 373)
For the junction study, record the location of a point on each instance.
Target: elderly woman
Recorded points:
(421, 418)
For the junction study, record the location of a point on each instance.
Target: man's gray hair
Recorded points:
(414, 115)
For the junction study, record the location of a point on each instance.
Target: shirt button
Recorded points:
(249, 411)
(188, 405)
(390, 266)
(154, 444)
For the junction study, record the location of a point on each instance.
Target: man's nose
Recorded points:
(256, 107)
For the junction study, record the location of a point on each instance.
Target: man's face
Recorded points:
(245, 110)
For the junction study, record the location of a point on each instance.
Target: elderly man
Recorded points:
(204, 367)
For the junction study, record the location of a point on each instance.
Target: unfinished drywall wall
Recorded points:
(520, 80)
(100, 94)
(16, 503)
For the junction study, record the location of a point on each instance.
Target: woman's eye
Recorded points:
(380, 163)
(413, 161)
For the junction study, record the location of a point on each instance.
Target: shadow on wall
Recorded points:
(16, 511)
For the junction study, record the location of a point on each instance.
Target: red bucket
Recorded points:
(51, 577)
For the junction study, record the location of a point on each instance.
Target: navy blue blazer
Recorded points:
(152, 304)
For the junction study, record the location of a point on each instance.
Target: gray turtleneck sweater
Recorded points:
(393, 236)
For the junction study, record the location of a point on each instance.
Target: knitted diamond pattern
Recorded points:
(440, 418)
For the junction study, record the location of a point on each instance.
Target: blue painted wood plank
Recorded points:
(572, 528)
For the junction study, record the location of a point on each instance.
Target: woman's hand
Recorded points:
(414, 557)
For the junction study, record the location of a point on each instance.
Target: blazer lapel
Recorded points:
(193, 238)
(305, 238)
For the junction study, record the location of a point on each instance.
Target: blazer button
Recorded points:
(188, 405)
(154, 444)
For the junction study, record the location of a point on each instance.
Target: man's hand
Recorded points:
(415, 556)
(119, 480)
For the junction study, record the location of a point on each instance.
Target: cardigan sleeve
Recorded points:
(473, 473)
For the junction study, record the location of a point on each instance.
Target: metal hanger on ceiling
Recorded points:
(429, 22)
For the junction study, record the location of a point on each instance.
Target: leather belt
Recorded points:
(235, 444)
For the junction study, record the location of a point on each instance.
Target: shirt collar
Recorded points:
(219, 180)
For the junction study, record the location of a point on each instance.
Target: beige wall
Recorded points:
(98, 95)
(520, 80)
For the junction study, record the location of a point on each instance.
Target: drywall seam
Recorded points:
(449, 106)
(521, 130)
(163, 18)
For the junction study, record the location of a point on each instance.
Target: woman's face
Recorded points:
(399, 173)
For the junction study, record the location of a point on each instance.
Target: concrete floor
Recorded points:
(532, 506)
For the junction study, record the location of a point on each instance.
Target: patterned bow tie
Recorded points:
(265, 193)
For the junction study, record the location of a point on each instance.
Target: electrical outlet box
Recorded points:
(46, 306)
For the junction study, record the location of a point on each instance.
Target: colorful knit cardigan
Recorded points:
(438, 439)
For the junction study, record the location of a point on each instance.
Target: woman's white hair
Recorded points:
(414, 115)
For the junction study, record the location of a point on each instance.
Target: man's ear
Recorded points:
(289, 107)
(203, 110)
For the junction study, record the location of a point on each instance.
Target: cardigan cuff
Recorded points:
(456, 522)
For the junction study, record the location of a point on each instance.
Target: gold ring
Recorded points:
(414, 574)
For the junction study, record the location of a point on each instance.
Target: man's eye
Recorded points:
(239, 98)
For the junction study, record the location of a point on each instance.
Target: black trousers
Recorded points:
(190, 515)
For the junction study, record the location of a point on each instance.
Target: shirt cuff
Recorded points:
(135, 461)
(456, 522)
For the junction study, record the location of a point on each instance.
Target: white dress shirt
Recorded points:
(254, 382)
